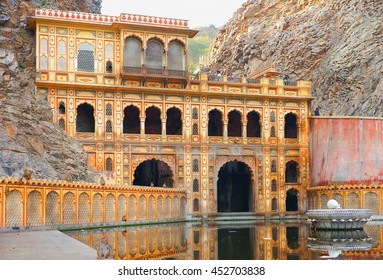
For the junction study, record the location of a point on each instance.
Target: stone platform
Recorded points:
(43, 245)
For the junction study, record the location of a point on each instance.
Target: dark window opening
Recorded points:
(153, 121)
(85, 118)
(195, 165)
(131, 123)
(235, 124)
(62, 108)
(109, 164)
(108, 127)
(274, 204)
(273, 166)
(272, 116)
(215, 125)
(195, 114)
(108, 110)
(253, 124)
(274, 185)
(173, 122)
(292, 236)
(291, 129)
(155, 173)
(195, 129)
(292, 200)
(291, 172)
(109, 67)
(195, 185)
(272, 132)
(195, 205)
(234, 188)
(62, 124)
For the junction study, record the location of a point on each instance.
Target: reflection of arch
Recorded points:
(234, 187)
(131, 123)
(291, 172)
(133, 52)
(176, 56)
(291, 127)
(195, 205)
(153, 120)
(83, 208)
(292, 200)
(14, 209)
(52, 215)
(85, 118)
(274, 204)
(253, 124)
(235, 124)
(154, 173)
(292, 236)
(183, 207)
(34, 211)
(215, 126)
(154, 54)
(173, 121)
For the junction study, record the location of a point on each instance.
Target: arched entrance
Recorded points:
(85, 118)
(292, 200)
(234, 187)
(155, 173)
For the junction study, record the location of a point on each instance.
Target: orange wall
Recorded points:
(346, 150)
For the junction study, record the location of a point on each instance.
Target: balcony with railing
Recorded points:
(155, 72)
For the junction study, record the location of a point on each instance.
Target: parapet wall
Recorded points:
(346, 150)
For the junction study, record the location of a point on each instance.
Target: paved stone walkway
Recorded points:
(43, 245)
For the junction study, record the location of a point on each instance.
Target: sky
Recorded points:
(198, 12)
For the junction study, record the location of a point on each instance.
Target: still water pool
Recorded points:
(236, 241)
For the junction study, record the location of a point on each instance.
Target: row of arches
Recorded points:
(85, 122)
(154, 56)
(102, 209)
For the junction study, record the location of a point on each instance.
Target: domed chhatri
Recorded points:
(336, 218)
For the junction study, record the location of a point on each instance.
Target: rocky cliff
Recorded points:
(28, 138)
(337, 44)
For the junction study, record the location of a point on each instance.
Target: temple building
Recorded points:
(119, 84)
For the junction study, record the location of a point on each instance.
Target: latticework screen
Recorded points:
(69, 208)
(34, 209)
(52, 209)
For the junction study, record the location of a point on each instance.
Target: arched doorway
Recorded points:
(155, 173)
(173, 121)
(234, 188)
(292, 200)
(85, 118)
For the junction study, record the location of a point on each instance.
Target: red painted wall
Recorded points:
(346, 150)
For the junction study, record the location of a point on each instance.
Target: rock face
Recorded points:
(337, 44)
(28, 138)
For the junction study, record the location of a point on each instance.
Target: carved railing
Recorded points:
(61, 204)
(155, 72)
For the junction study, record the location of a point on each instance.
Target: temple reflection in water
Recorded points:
(263, 241)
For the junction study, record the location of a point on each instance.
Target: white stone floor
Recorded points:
(43, 245)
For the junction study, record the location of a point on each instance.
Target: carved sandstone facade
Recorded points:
(120, 86)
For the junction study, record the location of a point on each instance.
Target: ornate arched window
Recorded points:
(173, 121)
(273, 166)
(274, 185)
(195, 113)
(154, 54)
(132, 52)
(234, 126)
(291, 128)
(153, 123)
(108, 109)
(85, 57)
(109, 164)
(61, 64)
(61, 107)
(131, 123)
(85, 118)
(62, 124)
(176, 56)
(291, 172)
(272, 116)
(274, 204)
(195, 205)
(272, 131)
(108, 126)
(61, 47)
(195, 129)
(195, 185)
(43, 62)
(215, 126)
(195, 165)
(253, 124)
